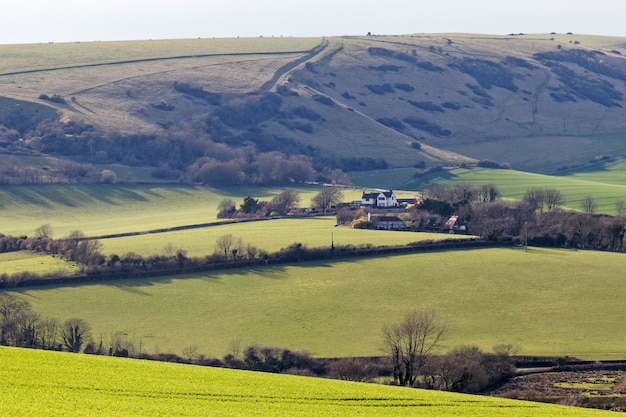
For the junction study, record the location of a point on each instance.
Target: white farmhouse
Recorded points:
(379, 199)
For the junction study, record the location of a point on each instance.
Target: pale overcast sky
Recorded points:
(33, 21)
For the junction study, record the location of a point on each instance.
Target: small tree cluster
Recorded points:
(22, 327)
(276, 360)
(468, 369)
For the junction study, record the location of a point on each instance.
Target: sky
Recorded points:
(35, 21)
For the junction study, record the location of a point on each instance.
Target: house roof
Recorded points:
(375, 194)
(451, 222)
(378, 219)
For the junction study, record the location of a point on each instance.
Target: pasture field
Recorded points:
(13, 262)
(63, 384)
(32, 57)
(546, 301)
(606, 185)
(271, 236)
(105, 209)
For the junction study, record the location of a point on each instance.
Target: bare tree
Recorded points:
(411, 342)
(43, 231)
(224, 243)
(49, 332)
(328, 197)
(589, 204)
(487, 193)
(536, 198)
(226, 208)
(74, 333)
(620, 207)
(12, 312)
(284, 202)
(553, 198)
(169, 250)
(229, 245)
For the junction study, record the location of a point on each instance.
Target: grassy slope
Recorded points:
(605, 182)
(98, 209)
(552, 302)
(519, 127)
(63, 384)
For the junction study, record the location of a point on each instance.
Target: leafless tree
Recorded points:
(589, 204)
(227, 245)
(284, 202)
(226, 208)
(43, 231)
(328, 197)
(48, 333)
(12, 311)
(487, 193)
(411, 342)
(553, 198)
(74, 333)
(536, 198)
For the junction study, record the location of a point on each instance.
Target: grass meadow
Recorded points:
(105, 209)
(63, 55)
(270, 236)
(604, 181)
(63, 384)
(546, 301)
(14, 262)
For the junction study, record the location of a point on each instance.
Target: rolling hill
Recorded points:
(63, 384)
(536, 102)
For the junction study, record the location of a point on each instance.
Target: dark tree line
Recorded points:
(538, 218)
(20, 326)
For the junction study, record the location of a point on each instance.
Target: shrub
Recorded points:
(426, 106)
(404, 87)
(380, 89)
(108, 177)
(392, 123)
(327, 101)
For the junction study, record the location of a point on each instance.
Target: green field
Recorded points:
(270, 236)
(102, 209)
(549, 302)
(605, 182)
(13, 262)
(63, 384)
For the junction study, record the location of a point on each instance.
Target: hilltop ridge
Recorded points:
(536, 102)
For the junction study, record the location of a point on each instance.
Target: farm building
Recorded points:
(379, 199)
(455, 224)
(387, 222)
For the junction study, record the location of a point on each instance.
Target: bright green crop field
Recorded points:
(546, 301)
(38, 383)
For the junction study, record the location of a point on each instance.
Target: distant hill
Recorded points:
(536, 102)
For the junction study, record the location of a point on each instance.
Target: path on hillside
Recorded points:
(168, 58)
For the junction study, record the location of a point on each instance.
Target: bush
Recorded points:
(108, 177)
(380, 89)
(392, 123)
(353, 369)
(426, 106)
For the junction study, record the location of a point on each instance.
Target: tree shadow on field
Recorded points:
(131, 287)
(269, 271)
